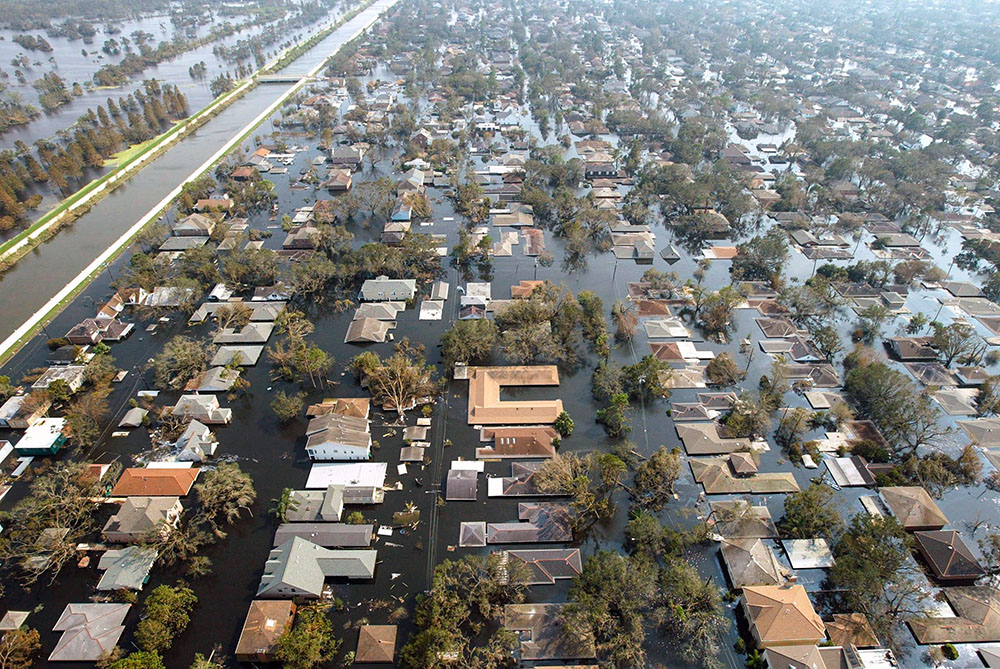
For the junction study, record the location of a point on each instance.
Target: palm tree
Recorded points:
(282, 505)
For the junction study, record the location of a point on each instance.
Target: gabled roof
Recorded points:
(704, 439)
(300, 567)
(140, 514)
(782, 614)
(717, 476)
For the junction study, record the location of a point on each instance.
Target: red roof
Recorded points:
(171, 482)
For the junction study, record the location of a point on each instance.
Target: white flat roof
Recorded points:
(351, 474)
(42, 434)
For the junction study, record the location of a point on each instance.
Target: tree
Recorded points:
(691, 612)
(762, 258)
(905, 416)
(811, 513)
(615, 416)
(957, 341)
(401, 380)
(225, 493)
(988, 397)
(871, 322)
(654, 478)
(138, 660)
(592, 308)
(62, 499)
(589, 479)
(18, 648)
(723, 371)
(624, 319)
(165, 614)
(645, 380)
(282, 505)
(463, 605)
(609, 602)
(84, 416)
(250, 267)
(181, 360)
(749, 416)
(310, 640)
(827, 340)
(563, 424)
(874, 568)
(717, 310)
(470, 341)
(544, 326)
(287, 406)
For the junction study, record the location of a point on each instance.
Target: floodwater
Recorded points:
(275, 456)
(70, 64)
(42, 273)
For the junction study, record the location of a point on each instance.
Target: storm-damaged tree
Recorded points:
(44, 528)
(875, 570)
(589, 479)
(287, 406)
(18, 648)
(653, 485)
(181, 360)
(624, 318)
(225, 493)
(310, 640)
(401, 380)
(469, 341)
(958, 341)
(165, 615)
(810, 513)
(543, 327)
(465, 601)
(723, 371)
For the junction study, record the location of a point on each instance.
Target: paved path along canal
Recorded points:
(28, 288)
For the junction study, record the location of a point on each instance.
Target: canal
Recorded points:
(39, 275)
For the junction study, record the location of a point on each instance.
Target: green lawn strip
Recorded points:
(86, 281)
(138, 151)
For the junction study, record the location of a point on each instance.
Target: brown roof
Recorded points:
(739, 518)
(704, 439)
(751, 562)
(977, 618)
(518, 442)
(266, 620)
(782, 615)
(717, 478)
(543, 635)
(376, 643)
(851, 629)
(486, 407)
(525, 288)
(356, 407)
(913, 507)
(172, 482)
(948, 556)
